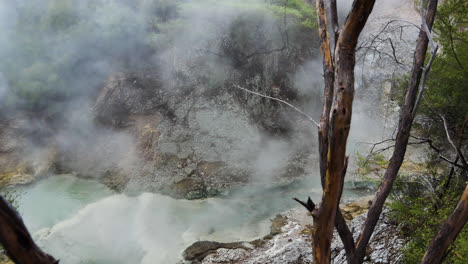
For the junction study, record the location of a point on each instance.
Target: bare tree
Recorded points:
(17, 241)
(407, 114)
(335, 124)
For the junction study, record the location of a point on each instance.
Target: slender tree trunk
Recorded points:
(448, 232)
(17, 241)
(329, 78)
(404, 128)
(338, 124)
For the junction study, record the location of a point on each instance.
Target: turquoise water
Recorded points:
(54, 199)
(82, 221)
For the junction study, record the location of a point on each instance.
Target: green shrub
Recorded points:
(419, 219)
(303, 12)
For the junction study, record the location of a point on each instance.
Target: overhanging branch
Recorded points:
(281, 101)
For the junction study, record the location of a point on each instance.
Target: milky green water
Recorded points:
(82, 221)
(49, 201)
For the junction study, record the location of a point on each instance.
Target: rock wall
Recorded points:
(18, 163)
(194, 142)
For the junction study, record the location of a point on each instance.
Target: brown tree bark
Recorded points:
(339, 121)
(17, 241)
(329, 78)
(335, 122)
(403, 134)
(448, 232)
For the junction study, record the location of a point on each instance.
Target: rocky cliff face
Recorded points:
(18, 163)
(195, 140)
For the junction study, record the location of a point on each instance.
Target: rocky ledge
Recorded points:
(290, 242)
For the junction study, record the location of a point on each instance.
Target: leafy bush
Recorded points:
(446, 91)
(303, 12)
(419, 217)
(373, 164)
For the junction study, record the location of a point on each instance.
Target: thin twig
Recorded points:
(281, 101)
(439, 152)
(449, 138)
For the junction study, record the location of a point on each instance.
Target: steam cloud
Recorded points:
(107, 36)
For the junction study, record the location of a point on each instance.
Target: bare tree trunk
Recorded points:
(404, 128)
(17, 241)
(448, 232)
(329, 78)
(338, 123)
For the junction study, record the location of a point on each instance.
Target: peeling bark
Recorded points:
(334, 133)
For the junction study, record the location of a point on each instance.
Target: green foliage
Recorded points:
(303, 12)
(448, 80)
(419, 217)
(371, 164)
(61, 15)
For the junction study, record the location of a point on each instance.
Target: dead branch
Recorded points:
(449, 138)
(309, 205)
(281, 101)
(439, 152)
(373, 43)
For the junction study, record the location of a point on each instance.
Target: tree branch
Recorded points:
(404, 127)
(448, 232)
(281, 101)
(434, 48)
(449, 138)
(17, 241)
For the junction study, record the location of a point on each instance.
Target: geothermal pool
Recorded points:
(82, 221)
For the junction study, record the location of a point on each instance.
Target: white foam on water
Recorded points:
(150, 228)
